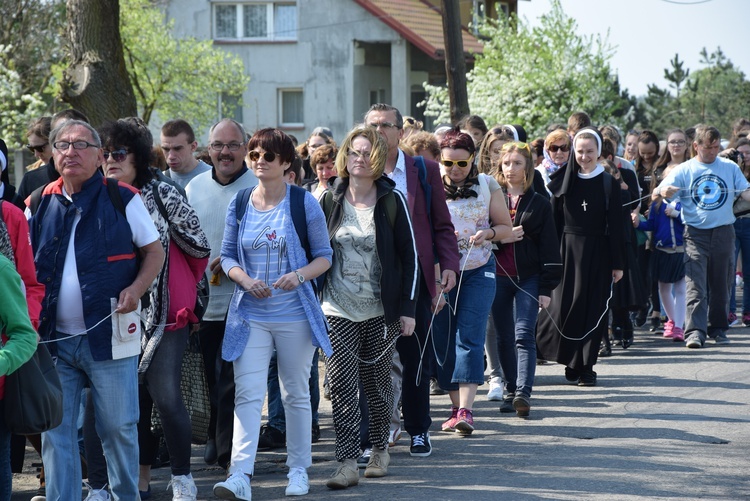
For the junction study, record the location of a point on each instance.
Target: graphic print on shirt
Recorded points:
(275, 250)
(709, 192)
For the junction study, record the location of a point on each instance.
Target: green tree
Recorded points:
(716, 94)
(538, 75)
(17, 108)
(175, 77)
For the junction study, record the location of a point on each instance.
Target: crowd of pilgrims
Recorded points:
(499, 254)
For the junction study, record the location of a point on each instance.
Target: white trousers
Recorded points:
(294, 352)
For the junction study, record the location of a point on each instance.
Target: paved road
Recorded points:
(664, 422)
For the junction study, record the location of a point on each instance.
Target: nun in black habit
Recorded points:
(587, 209)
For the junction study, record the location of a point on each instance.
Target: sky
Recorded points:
(646, 34)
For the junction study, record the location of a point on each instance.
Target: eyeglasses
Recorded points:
(39, 148)
(518, 144)
(364, 155)
(502, 130)
(117, 155)
(383, 125)
(677, 142)
(268, 156)
(448, 164)
(409, 120)
(555, 148)
(220, 146)
(77, 145)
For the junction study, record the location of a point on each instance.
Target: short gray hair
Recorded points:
(236, 124)
(67, 124)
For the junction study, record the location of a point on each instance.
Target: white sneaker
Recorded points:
(96, 494)
(183, 488)
(299, 485)
(496, 391)
(394, 436)
(236, 487)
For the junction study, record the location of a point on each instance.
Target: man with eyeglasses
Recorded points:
(178, 145)
(436, 244)
(85, 246)
(210, 194)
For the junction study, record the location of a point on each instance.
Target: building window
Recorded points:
(291, 108)
(255, 21)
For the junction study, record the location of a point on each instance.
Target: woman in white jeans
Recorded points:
(274, 307)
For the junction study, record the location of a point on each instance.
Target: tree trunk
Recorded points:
(96, 82)
(455, 63)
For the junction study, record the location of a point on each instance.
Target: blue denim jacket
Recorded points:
(237, 329)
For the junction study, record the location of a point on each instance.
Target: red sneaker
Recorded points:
(450, 424)
(678, 334)
(668, 328)
(464, 422)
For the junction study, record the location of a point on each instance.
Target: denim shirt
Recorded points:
(237, 329)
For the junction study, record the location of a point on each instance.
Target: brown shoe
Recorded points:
(378, 465)
(346, 475)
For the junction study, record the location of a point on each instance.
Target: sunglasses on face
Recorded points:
(38, 148)
(268, 156)
(117, 155)
(460, 163)
(555, 148)
(383, 125)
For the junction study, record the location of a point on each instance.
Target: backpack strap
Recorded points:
(159, 202)
(426, 187)
(35, 199)
(299, 218)
(390, 208)
(485, 187)
(240, 203)
(114, 195)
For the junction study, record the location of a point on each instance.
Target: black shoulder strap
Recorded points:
(2, 219)
(299, 218)
(114, 195)
(422, 174)
(390, 208)
(159, 202)
(240, 203)
(35, 199)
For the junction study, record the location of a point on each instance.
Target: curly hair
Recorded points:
(125, 134)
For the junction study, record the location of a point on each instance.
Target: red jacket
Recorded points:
(18, 229)
(445, 244)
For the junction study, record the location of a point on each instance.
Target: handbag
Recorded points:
(33, 395)
(194, 391)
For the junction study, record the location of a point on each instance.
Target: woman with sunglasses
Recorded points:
(479, 216)
(528, 269)
(274, 307)
(587, 210)
(369, 297)
(128, 154)
(556, 152)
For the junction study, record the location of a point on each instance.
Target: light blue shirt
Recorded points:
(707, 191)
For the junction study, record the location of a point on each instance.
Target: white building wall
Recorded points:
(321, 63)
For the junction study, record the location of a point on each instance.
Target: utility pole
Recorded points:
(455, 63)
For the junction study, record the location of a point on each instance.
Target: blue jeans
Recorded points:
(514, 313)
(459, 336)
(114, 386)
(742, 243)
(6, 477)
(276, 415)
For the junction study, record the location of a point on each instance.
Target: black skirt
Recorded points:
(667, 267)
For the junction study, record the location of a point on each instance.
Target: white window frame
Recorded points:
(290, 125)
(270, 21)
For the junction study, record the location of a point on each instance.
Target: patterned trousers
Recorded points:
(356, 346)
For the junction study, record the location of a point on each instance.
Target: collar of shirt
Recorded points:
(235, 178)
(398, 174)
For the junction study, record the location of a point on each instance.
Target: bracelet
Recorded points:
(493, 233)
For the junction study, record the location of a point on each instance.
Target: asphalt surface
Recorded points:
(664, 422)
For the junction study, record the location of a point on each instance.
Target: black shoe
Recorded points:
(507, 406)
(420, 445)
(605, 351)
(572, 375)
(271, 438)
(587, 378)
(315, 433)
(639, 319)
(209, 454)
(655, 324)
(521, 405)
(326, 391)
(435, 388)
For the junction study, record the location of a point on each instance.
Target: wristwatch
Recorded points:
(299, 277)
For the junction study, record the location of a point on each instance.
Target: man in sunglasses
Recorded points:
(419, 180)
(210, 193)
(85, 246)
